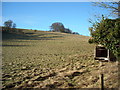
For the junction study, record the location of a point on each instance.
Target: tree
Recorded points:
(57, 27)
(14, 25)
(76, 33)
(114, 7)
(107, 33)
(8, 23)
(9, 26)
(67, 30)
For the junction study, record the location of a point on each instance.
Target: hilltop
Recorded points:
(42, 59)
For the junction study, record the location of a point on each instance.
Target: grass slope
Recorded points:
(53, 60)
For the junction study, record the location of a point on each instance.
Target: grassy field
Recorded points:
(52, 60)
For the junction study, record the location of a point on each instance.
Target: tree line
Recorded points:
(10, 26)
(59, 27)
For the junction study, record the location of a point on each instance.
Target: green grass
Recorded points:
(36, 55)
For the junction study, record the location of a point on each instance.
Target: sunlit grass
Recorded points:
(47, 52)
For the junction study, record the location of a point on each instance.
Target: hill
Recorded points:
(52, 60)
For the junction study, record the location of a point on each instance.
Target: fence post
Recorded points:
(101, 76)
(102, 81)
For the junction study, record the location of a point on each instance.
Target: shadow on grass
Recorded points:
(29, 36)
(14, 45)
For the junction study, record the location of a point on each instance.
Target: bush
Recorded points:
(107, 33)
(35, 30)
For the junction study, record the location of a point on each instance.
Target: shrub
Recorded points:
(107, 33)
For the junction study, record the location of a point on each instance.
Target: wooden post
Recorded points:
(101, 76)
(102, 81)
(108, 54)
(100, 64)
(72, 66)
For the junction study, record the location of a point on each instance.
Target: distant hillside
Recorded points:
(28, 33)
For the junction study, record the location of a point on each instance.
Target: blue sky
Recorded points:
(41, 15)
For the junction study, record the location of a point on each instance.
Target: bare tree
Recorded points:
(113, 7)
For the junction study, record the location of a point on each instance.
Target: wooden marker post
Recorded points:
(101, 77)
(102, 81)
